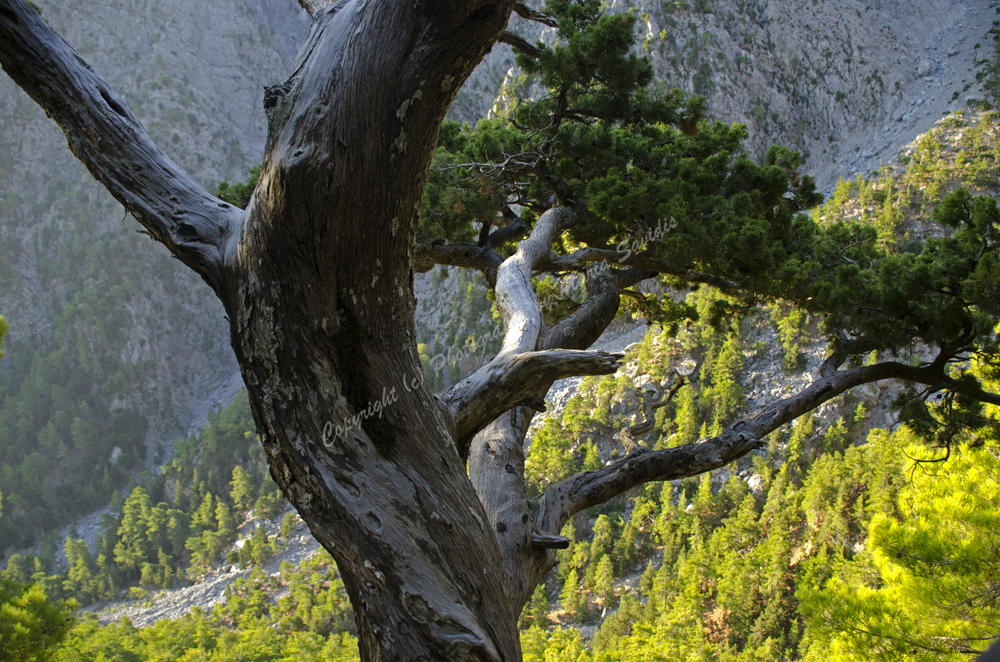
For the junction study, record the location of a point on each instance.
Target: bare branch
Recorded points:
(629, 277)
(513, 229)
(524, 11)
(538, 541)
(628, 434)
(590, 488)
(474, 402)
(464, 254)
(516, 298)
(518, 43)
(523, 379)
(496, 455)
(198, 228)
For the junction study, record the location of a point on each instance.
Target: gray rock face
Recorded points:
(832, 79)
(194, 74)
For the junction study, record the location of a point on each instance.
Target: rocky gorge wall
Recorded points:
(76, 276)
(847, 83)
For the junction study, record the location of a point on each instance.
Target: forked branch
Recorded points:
(519, 375)
(521, 380)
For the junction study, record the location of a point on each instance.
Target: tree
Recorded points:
(926, 587)
(31, 625)
(421, 499)
(242, 489)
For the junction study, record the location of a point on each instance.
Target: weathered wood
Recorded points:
(496, 457)
(538, 541)
(517, 380)
(519, 375)
(323, 327)
(322, 315)
(316, 278)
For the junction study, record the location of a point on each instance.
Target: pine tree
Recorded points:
(132, 547)
(604, 583)
(536, 611)
(241, 489)
(225, 521)
(573, 601)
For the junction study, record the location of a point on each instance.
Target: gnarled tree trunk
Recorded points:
(317, 279)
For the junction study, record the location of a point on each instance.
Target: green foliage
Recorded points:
(157, 539)
(239, 194)
(792, 333)
(925, 588)
(59, 431)
(31, 625)
(601, 135)
(313, 620)
(535, 612)
(288, 523)
(574, 602)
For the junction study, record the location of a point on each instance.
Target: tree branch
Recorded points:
(576, 260)
(496, 454)
(473, 403)
(196, 227)
(590, 488)
(518, 44)
(524, 11)
(465, 254)
(521, 380)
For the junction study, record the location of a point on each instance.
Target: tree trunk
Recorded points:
(320, 299)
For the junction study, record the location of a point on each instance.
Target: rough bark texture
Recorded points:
(317, 280)
(322, 320)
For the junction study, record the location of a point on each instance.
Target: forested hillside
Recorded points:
(112, 344)
(850, 537)
(841, 540)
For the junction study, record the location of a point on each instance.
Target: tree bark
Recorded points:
(496, 459)
(316, 278)
(322, 316)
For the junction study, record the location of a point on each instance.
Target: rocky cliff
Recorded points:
(846, 83)
(77, 277)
